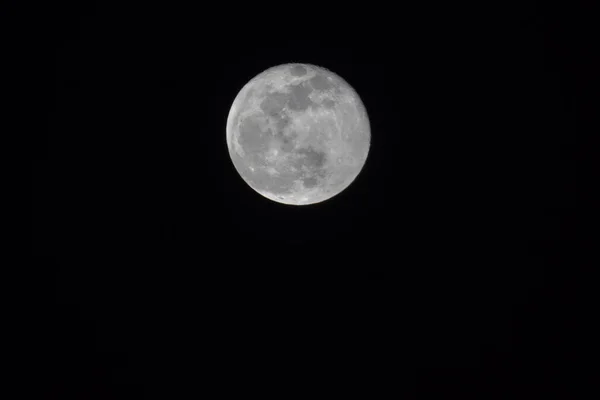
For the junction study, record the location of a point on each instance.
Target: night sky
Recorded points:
(442, 267)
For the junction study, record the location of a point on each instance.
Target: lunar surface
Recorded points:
(298, 134)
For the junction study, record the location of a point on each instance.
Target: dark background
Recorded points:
(443, 265)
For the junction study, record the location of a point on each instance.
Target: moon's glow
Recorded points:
(298, 134)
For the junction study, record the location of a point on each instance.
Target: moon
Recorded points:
(298, 134)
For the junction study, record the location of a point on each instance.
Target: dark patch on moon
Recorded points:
(253, 135)
(281, 121)
(320, 82)
(309, 182)
(311, 158)
(288, 144)
(298, 70)
(273, 103)
(299, 100)
(328, 103)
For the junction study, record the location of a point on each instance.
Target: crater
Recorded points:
(298, 70)
(288, 143)
(320, 82)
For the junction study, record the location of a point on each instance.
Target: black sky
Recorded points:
(164, 269)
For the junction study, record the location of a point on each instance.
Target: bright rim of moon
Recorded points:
(298, 134)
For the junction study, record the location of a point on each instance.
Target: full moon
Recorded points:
(298, 134)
